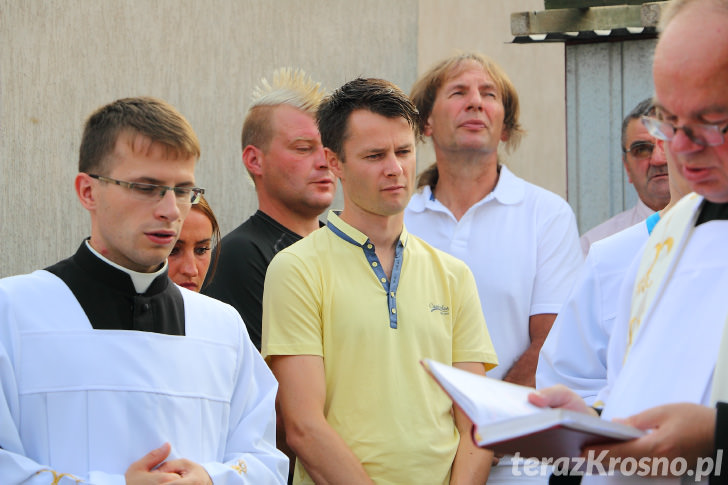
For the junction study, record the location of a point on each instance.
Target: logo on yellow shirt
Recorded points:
(443, 309)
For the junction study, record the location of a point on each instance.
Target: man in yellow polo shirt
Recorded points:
(349, 311)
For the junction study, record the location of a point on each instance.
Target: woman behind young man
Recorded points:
(192, 254)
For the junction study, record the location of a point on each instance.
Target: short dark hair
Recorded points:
(376, 95)
(150, 117)
(642, 109)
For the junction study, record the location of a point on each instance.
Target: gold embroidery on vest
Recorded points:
(642, 285)
(634, 324)
(57, 476)
(240, 467)
(645, 282)
(683, 216)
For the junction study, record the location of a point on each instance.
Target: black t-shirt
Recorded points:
(245, 254)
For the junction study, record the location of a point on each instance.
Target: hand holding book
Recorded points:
(562, 397)
(506, 420)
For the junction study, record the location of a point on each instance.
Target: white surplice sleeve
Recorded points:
(251, 456)
(15, 466)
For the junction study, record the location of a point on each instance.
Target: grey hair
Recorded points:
(642, 109)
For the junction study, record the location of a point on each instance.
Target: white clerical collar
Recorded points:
(142, 281)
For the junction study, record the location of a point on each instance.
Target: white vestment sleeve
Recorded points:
(15, 467)
(574, 353)
(251, 456)
(620, 332)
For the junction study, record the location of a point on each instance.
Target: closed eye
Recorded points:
(144, 188)
(182, 191)
(201, 250)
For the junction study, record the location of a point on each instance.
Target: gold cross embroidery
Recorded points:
(679, 220)
(240, 467)
(57, 476)
(640, 290)
(645, 282)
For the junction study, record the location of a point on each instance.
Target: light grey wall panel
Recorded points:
(637, 85)
(61, 59)
(592, 70)
(604, 82)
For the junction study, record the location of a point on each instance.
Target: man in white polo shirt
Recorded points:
(519, 240)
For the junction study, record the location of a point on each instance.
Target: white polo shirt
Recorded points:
(522, 245)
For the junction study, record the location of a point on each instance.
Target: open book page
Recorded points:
(483, 399)
(506, 422)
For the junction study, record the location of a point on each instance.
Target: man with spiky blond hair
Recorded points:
(283, 154)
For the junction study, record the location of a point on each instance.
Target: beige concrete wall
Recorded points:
(537, 71)
(61, 59)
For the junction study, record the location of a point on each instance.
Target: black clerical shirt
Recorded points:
(712, 211)
(110, 301)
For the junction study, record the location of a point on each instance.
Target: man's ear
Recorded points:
(333, 161)
(86, 191)
(505, 135)
(427, 128)
(253, 159)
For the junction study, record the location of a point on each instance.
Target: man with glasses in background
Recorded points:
(109, 372)
(647, 171)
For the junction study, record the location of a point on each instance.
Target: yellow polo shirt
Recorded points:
(326, 295)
